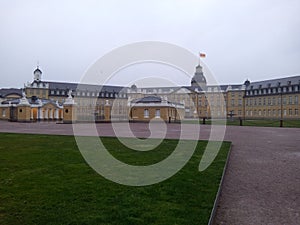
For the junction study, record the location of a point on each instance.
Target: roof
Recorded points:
(9, 91)
(37, 70)
(294, 80)
(148, 99)
(32, 101)
(85, 87)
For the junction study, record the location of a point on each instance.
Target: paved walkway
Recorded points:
(262, 183)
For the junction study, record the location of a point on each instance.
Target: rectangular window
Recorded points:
(157, 113)
(284, 101)
(146, 113)
(296, 100)
(240, 102)
(3, 112)
(296, 112)
(290, 112)
(290, 100)
(232, 102)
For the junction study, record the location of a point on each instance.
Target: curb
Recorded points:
(214, 210)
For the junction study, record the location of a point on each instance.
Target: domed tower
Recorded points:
(247, 83)
(133, 87)
(198, 79)
(37, 74)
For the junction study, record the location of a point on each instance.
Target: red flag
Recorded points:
(202, 55)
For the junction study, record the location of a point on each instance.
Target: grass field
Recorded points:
(44, 180)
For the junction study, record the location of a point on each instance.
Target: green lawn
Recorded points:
(44, 180)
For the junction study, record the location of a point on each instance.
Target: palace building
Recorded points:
(70, 102)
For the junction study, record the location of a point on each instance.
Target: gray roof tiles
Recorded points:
(295, 80)
(84, 87)
(7, 91)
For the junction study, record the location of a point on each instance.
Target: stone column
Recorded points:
(50, 114)
(56, 114)
(31, 114)
(46, 114)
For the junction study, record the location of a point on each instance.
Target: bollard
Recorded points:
(203, 120)
(241, 122)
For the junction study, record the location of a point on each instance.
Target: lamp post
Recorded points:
(281, 111)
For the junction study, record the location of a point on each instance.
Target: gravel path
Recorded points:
(262, 182)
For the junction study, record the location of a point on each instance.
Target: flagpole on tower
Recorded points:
(201, 55)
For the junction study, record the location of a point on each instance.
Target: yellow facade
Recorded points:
(269, 99)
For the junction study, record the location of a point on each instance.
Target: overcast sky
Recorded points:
(251, 39)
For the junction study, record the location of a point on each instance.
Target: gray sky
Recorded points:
(252, 39)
